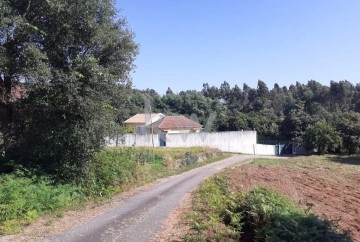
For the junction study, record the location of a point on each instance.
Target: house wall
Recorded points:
(134, 125)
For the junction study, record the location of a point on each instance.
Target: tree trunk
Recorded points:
(6, 109)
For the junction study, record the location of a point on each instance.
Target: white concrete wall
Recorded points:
(260, 149)
(146, 140)
(232, 141)
(235, 141)
(134, 140)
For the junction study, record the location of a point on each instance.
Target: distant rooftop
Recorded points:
(140, 118)
(170, 122)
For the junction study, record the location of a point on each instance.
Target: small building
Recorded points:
(142, 119)
(171, 124)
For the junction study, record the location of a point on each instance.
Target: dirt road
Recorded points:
(139, 217)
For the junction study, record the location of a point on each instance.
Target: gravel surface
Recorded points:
(140, 216)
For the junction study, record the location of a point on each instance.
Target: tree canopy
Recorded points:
(300, 113)
(72, 58)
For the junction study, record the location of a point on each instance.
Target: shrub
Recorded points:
(23, 199)
(269, 216)
(256, 215)
(211, 203)
(189, 159)
(323, 138)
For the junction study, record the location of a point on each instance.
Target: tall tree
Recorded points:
(296, 122)
(71, 56)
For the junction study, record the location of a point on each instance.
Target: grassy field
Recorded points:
(315, 198)
(25, 196)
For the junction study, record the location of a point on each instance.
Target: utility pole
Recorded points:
(152, 128)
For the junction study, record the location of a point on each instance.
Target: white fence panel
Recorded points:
(233, 141)
(128, 140)
(260, 149)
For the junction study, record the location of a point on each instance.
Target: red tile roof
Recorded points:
(178, 122)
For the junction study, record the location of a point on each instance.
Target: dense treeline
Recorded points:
(324, 118)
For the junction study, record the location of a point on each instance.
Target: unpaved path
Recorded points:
(139, 217)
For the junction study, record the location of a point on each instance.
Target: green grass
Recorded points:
(24, 196)
(24, 199)
(257, 215)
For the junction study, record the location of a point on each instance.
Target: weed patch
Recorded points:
(24, 199)
(24, 196)
(257, 215)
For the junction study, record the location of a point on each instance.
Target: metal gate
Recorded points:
(283, 149)
(162, 139)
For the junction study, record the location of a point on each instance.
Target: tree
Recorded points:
(210, 92)
(348, 124)
(323, 138)
(169, 91)
(72, 57)
(265, 122)
(296, 122)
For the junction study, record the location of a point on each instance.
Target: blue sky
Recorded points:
(184, 44)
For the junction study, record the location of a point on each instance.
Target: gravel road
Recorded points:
(140, 216)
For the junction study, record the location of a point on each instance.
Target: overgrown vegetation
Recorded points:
(257, 215)
(64, 75)
(25, 195)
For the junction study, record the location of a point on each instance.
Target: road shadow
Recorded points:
(351, 160)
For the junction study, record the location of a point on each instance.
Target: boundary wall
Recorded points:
(232, 141)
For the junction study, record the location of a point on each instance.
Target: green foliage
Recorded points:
(75, 58)
(257, 215)
(269, 216)
(189, 159)
(25, 195)
(120, 168)
(349, 127)
(130, 130)
(323, 138)
(296, 122)
(117, 169)
(210, 210)
(23, 199)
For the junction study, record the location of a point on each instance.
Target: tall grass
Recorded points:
(24, 195)
(23, 199)
(257, 215)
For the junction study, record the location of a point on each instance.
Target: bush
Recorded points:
(189, 159)
(23, 199)
(269, 216)
(348, 125)
(323, 138)
(256, 215)
(116, 169)
(211, 203)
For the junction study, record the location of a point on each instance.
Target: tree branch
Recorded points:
(27, 8)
